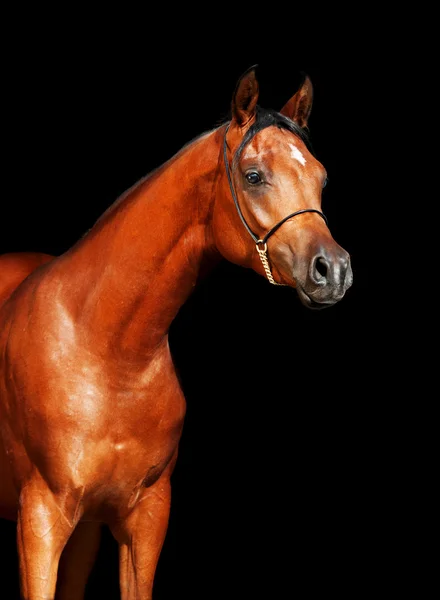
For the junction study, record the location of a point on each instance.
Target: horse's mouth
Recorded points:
(309, 302)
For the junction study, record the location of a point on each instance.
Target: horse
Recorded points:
(91, 406)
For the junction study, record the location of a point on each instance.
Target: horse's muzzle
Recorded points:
(328, 277)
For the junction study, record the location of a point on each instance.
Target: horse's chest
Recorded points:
(140, 447)
(148, 407)
(145, 430)
(111, 426)
(150, 420)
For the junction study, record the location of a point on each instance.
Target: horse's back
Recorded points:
(15, 267)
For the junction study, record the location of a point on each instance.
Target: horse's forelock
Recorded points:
(267, 118)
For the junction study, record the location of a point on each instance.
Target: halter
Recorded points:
(261, 243)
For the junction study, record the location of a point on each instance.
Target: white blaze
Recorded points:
(297, 154)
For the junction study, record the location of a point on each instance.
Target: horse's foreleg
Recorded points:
(42, 532)
(140, 537)
(77, 560)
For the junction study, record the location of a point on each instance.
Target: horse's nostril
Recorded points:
(332, 271)
(321, 267)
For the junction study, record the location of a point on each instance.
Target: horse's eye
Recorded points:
(253, 178)
(325, 182)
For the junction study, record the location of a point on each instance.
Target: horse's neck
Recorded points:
(138, 265)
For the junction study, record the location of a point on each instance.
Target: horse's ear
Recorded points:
(299, 106)
(244, 100)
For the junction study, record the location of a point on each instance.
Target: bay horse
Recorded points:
(91, 409)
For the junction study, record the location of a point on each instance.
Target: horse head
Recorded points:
(268, 214)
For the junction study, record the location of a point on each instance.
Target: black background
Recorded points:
(286, 464)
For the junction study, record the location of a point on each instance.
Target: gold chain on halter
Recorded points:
(263, 256)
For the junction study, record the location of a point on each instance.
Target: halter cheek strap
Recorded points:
(261, 243)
